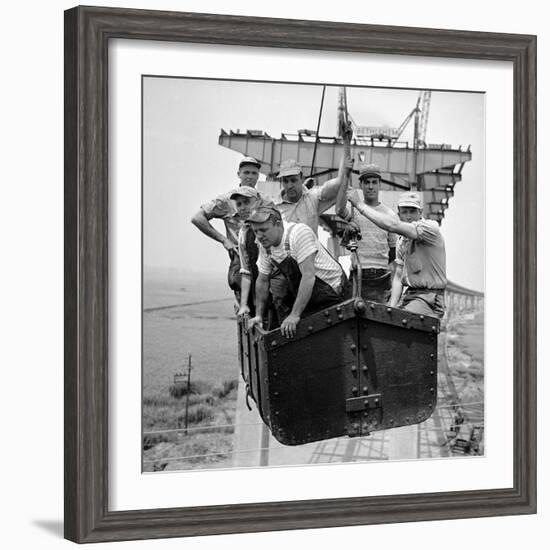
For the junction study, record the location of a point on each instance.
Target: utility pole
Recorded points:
(187, 396)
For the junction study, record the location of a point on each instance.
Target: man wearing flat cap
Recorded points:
(298, 203)
(247, 199)
(299, 273)
(420, 256)
(223, 208)
(376, 248)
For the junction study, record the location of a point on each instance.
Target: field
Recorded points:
(188, 315)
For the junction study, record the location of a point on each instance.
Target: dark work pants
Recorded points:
(283, 286)
(424, 302)
(376, 285)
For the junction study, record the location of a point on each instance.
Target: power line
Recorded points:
(201, 428)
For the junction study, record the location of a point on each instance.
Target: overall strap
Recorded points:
(286, 245)
(287, 238)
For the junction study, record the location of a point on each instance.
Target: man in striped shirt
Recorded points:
(376, 248)
(300, 274)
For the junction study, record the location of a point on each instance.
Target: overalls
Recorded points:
(284, 283)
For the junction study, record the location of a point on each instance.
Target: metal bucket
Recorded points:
(350, 370)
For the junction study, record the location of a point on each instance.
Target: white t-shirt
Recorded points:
(302, 243)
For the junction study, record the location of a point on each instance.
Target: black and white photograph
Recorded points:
(273, 275)
(313, 274)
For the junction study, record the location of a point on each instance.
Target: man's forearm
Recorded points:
(200, 221)
(330, 189)
(396, 290)
(262, 290)
(304, 294)
(379, 218)
(245, 289)
(388, 222)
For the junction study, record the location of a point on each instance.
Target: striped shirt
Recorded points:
(375, 243)
(302, 244)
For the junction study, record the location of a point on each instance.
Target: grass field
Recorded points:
(188, 314)
(207, 412)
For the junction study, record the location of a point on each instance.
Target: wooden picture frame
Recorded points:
(87, 34)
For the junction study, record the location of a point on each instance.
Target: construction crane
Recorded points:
(420, 111)
(424, 106)
(430, 168)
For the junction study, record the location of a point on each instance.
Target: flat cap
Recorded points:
(244, 191)
(262, 214)
(410, 198)
(289, 168)
(249, 160)
(369, 170)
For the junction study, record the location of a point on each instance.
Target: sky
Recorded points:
(184, 167)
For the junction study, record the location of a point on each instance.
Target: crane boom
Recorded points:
(421, 111)
(425, 98)
(405, 122)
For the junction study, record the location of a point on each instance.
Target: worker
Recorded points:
(247, 199)
(376, 247)
(298, 202)
(222, 207)
(420, 255)
(298, 273)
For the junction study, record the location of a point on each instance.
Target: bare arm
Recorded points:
(341, 208)
(262, 292)
(246, 276)
(383, 220)
(307, 269)
(200, 221)
(396, 285)
(245, 292)
(329, 190)
(341, 195)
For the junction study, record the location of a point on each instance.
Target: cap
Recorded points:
(289, 168)
(262, 214)
(244, 191)
(410, 199)
(369, 170)
(249, 160)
